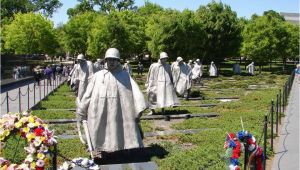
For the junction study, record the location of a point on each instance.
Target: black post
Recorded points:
(265, 140)
(283, 96)
(44, 87)
(245, 157)
(40, 91)
(28, 97)
(280, 106)
(48, 85)
(20, 100)
(277, 114)
(54, 159)
(34, 94)
(272, 120)
(7, 102)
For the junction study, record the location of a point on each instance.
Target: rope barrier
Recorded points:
(23, 94)
(4, 100)
(13, 99)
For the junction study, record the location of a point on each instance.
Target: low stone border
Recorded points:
(181, 116)
(149, 117)
(198, 105)
(172, 132)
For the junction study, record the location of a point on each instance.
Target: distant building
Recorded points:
(291, 17)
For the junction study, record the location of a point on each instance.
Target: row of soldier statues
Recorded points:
(111, 102)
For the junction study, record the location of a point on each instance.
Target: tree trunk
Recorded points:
(260, 67)
(284, 64)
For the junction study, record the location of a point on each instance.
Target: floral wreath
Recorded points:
(39, 138)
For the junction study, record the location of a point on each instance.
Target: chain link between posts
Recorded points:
(13, 99)
(22, 93)
(4, 100)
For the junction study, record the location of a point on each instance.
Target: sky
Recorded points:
(243, 8)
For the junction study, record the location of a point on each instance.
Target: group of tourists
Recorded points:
(50, 72)
(20, 72)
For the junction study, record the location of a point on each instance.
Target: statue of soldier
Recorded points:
(82, 75)
(127, 67)
(250, 68)
(112, 106)
(182, 79)
(197, 71)
(213, 70)
(159, 85)
(98, 65)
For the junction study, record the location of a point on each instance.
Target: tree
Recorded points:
(292, 47)
(135, 26)
(77, 31)
(265, 38)
(108, 6)
(223, 31)
(149, 9)
(176, 33)
(11, 7)
(108, 31)
(162, 30)
(82, 7)
(30, 34)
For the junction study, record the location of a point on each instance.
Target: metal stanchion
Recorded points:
(28, 97)
(272, 114)
(20, 100)
(48, 85)
(280, 106)
(44, 87)
(54, 159)
(40, 91)
(277, 114)
(265, 140)
(34, 94)
(7, 102)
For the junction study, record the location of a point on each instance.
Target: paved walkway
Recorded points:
(287, 156)
(34, 94)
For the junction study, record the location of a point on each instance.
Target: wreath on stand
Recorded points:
(39, 138)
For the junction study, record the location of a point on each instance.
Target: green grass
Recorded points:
(54, 114)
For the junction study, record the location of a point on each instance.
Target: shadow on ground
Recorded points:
(132, 155)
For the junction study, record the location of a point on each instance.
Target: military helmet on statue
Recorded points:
(112, 53)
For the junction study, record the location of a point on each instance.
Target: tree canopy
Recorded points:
(222, 29)
(11, 7)
(268, 37)
(30, 34)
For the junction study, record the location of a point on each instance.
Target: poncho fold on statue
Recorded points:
(181, 77)
(111, 103)
(160, 87)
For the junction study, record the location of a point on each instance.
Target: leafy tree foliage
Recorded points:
(222, 29)
(175, 33)
(82, 7)
(108, 6)
(11, 7)
(107, 31)
(266, 38)
(77, 31)
(30, 34)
